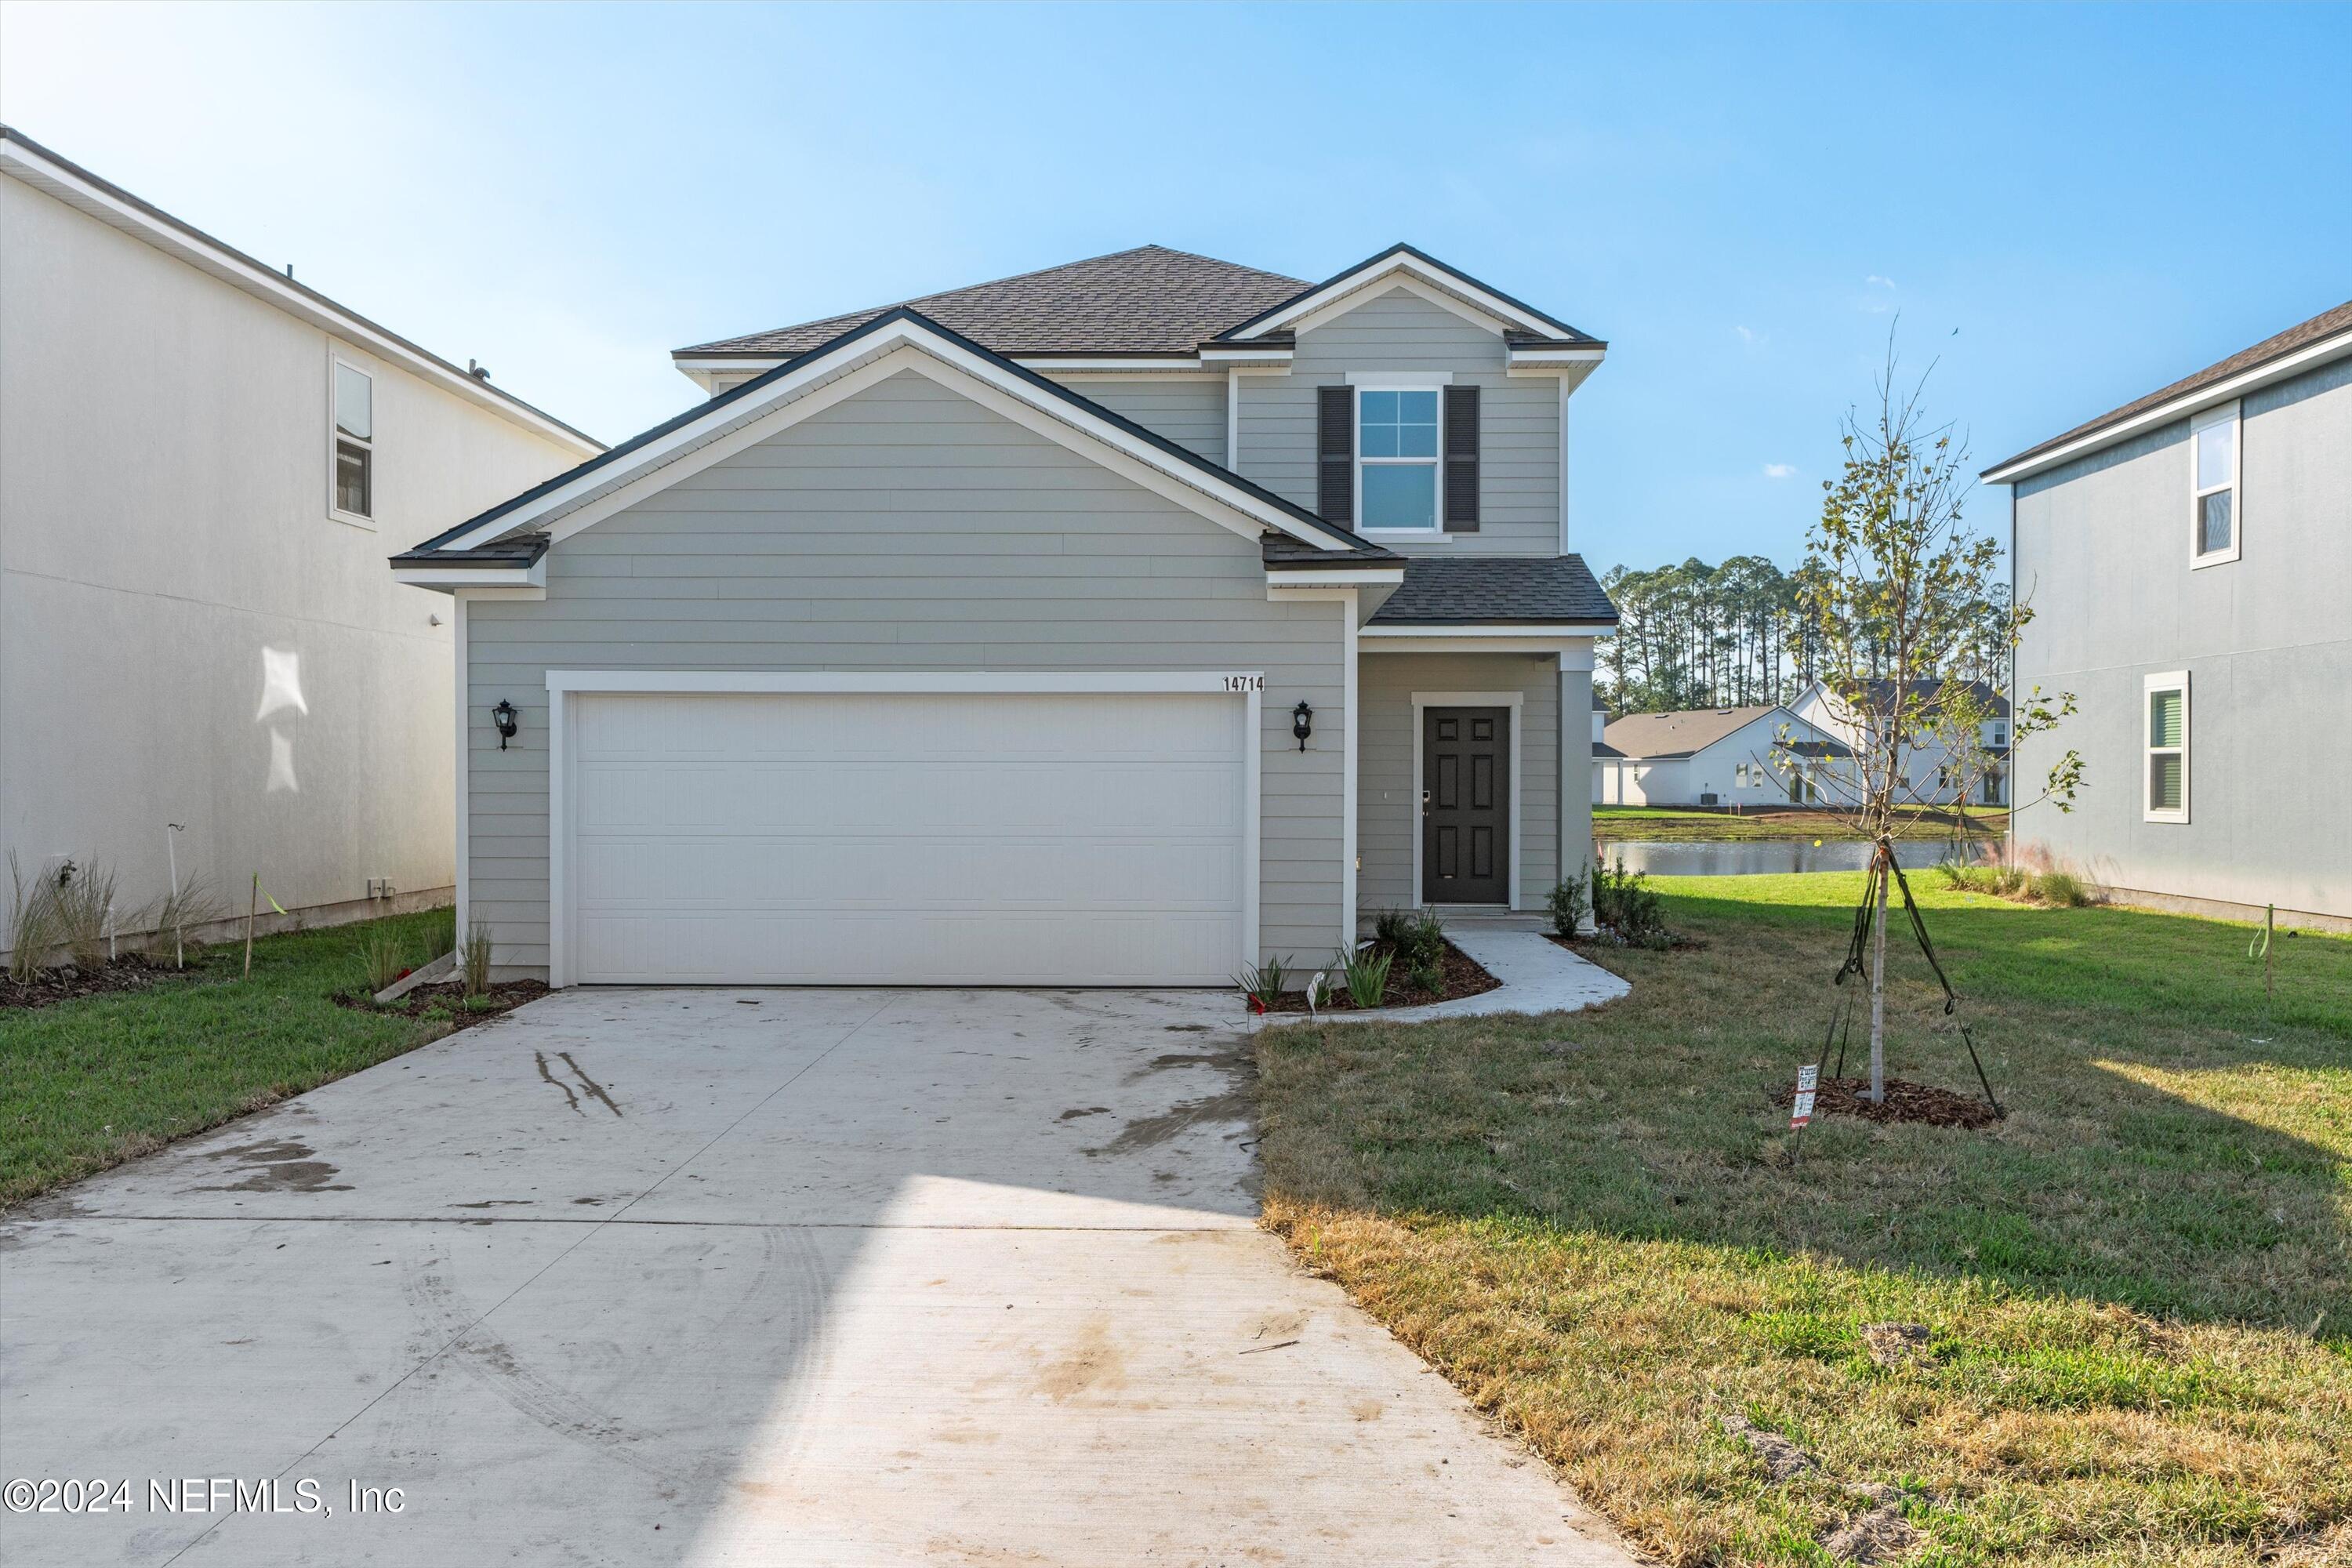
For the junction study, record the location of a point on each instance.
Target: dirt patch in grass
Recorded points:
(1464, 976)
(1905, 1101)
(70, 983)
(447, 1000)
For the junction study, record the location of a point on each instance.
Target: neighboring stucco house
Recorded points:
(1119, 623)
(1763, 754)
(2189, 560)
(1937, 767)
(200, 461)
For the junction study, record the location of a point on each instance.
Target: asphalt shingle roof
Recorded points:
(1545, 590)
(1151, 300)
(1284, 553)
(2327, 324)
(1679, 734)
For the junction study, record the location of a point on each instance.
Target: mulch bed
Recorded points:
(68, 983)
(1906, 1101)
(449, 996)
(1463, 977)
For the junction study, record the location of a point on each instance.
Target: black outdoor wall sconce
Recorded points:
(1302, 723)
(504, 717)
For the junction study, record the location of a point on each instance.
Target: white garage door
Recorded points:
(906, 838)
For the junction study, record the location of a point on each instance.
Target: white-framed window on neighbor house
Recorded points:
(2166, 705)
(2214, 514)
(351, 417)
(1398, 475)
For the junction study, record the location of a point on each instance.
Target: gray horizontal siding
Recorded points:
(1519, 475)
(1388, 813)
(1188, 410)
(905, 528)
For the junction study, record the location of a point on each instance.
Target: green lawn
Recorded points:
(1928, 826)
(89, 1084)
(2139, 1285)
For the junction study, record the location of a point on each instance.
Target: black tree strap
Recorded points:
(1951, 998)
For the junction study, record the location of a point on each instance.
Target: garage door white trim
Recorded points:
(1244, 686)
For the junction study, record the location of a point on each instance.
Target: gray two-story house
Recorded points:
(2189, 560)
(1122, 623)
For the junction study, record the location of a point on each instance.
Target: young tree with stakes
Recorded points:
(1901, 601)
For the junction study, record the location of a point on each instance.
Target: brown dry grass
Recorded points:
(2138, 1286)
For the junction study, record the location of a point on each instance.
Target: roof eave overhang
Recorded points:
(117, 208)
(1277, 577)
(1496, 629)
(2042, 459)
(704, 369)
(450, 577)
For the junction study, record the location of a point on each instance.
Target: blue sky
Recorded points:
(2066, 207)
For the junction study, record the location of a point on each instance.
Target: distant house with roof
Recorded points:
(2188, 556)
(1764, 754)
(1941, 764)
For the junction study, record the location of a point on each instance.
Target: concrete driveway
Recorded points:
(738, 1276)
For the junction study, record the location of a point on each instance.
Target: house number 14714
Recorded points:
(1245, 683)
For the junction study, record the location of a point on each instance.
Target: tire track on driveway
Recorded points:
(506, 1386)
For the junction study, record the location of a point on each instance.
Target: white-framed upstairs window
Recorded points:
(351, 481)
(2165, 717)
(2214, 514)
(1399, 473)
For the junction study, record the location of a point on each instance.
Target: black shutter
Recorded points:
(1461, 459)
(1335, 455)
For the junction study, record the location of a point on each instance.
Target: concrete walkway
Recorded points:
(1537, 975)
(742, 1276)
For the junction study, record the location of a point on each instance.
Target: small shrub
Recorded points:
(473, 958)
(1629, 905)
(2063, 889)
(1421, 943)
(32, 921)
(83, 900)
(1262, 982)
(1388, 929)
(1366, 971)
(1570, 902)
(383, 957)
(1428, 977)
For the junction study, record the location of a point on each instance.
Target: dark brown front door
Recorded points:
(1466, 806)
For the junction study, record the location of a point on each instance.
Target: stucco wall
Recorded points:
(906, 527)
(2103, 555)
(164, 530)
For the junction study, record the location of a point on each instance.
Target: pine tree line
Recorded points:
(1696, 636)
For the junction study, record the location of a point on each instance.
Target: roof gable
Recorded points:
(1146, 300)
(899, 339)
(1401, 263)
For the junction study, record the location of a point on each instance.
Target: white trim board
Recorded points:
(563, 684)
(728, 428)
(215, 260)
(1516, 702)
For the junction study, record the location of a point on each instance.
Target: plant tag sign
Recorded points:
(1801, 1110)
